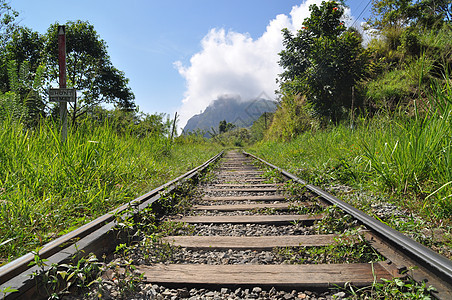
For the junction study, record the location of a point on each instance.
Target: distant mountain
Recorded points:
(235, 111)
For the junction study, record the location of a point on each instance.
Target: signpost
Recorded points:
(62, 95)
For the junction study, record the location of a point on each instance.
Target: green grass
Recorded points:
(48, 188)
(406, 158)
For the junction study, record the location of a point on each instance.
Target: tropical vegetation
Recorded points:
(112, 153)
(381, 129)
(369, 117)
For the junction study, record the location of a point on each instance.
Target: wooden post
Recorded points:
(62, 79)
(174, 126)
(352, 116)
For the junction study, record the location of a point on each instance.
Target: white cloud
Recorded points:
(232, 63)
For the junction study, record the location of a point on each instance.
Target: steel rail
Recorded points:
(435, 263)
(97, 227)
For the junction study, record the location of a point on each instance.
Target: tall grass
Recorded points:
(48, 188)
(417, 156)
(408, 158)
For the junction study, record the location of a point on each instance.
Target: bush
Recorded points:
(293, 117)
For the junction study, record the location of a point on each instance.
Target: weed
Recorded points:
(154, 250)
(273, 176)
(56, 280)
(395, 288)
(264, 211)
(334, 221)
(304, 209)
(176, 228)
(7, 290)
(176, 201)
(337, 253)
(295, 190)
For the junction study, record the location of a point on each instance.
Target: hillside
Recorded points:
(235, 111)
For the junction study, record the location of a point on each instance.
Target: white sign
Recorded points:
(62, 95)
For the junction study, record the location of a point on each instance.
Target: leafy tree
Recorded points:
(260, 126)
(403, 13)
(7, 24)
(26, 45)
(7, 21)
(323, 61)
(89, 69)
(224, 126)
(132, 122)
(23, 102)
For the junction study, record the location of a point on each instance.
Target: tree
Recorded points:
(224, 126)
(7, 25)
(131, 122)
(403, 13)
(89, 69)
(23, 102)
(323, 61)
(7, 22)
(24, 46)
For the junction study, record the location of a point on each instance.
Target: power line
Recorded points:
(361, 12)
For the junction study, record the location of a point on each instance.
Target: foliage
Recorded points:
(237, 137)
(403, 13)
(406, 63)
(26, 45)
(55, 279)
(294, 116)
(391, 91)
(333, 254)
(224, 126)
(7, 21)
(23, 103)
(7, 26)
(396, 288)
(132, 122)
(395, 155)
(7, 290)
(89, 69)
(11, 107)
(48, 188)
(334, 221)
(323, 61)
(260, 126)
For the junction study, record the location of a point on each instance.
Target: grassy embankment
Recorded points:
(48, 188)
(406, 160)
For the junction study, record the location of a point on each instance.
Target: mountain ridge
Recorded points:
(233, 110)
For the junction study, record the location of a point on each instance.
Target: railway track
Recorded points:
(246, 236)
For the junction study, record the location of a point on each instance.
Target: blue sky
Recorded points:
(180, 55)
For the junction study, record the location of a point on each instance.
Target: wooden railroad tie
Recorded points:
(279, 276)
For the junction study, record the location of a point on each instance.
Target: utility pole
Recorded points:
(62, 95)
(62, 79)
(174, 126)
(352, 121)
